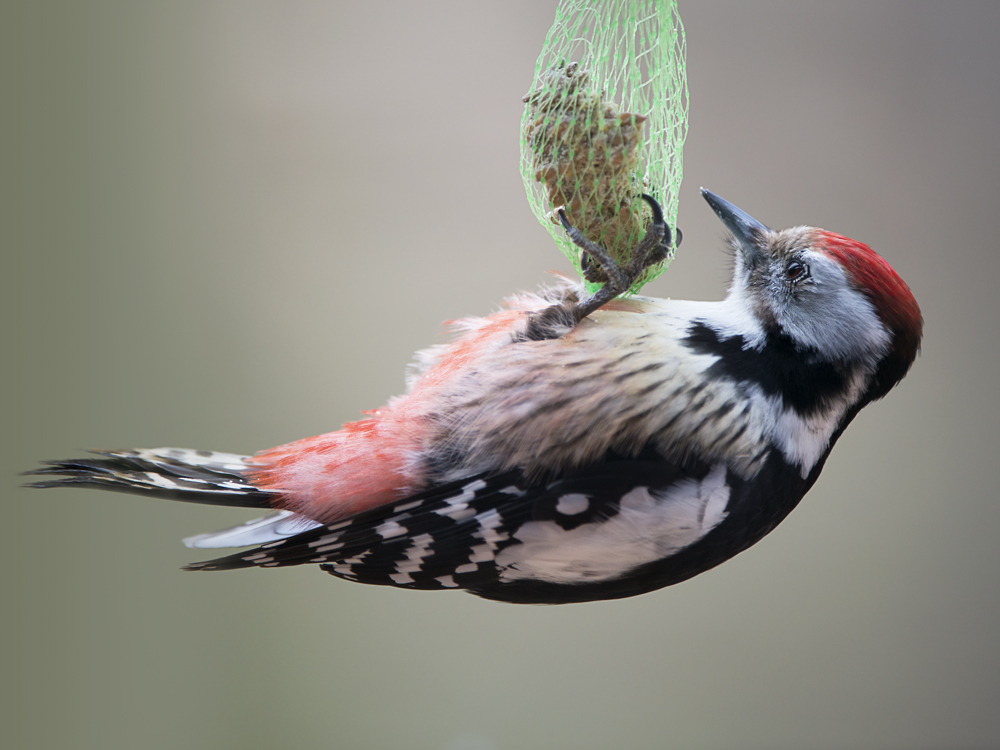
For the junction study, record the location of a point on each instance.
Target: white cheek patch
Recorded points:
(831, 317)
(649, 526)
(804, 440)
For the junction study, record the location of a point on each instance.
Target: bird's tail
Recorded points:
(182, 474)
(173, 473)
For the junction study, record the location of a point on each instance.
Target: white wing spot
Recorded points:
(325, 539)
(408, 506)
(457, 511)
(489, 522)
(414, 559)
(650, 526)
(457, 507)
(572, 504)
(638, 500)
(470, 490)
(259, 558)
(389, 529)
(481, 553)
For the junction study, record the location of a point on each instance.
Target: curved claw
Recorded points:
(658, 219)
(564, 220)
(654, 207)
(653, 248)
(678, 236)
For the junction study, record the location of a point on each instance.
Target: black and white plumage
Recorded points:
(616, 529)
(643, 445)
(194, 476)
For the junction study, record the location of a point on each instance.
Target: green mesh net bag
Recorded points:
(605, 121)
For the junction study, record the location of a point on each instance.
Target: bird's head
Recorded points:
(833, 297)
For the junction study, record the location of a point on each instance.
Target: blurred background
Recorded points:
(227, 225)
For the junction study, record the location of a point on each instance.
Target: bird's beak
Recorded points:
(745, 228)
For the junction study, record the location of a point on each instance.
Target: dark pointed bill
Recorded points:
(744, 227)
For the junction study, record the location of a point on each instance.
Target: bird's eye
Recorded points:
(795, 271)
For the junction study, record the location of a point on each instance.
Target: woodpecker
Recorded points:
(572, 448)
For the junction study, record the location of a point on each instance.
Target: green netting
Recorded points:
(605, 120)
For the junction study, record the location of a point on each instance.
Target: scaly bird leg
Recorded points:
(652, 248)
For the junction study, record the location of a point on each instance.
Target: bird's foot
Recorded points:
(598, 265)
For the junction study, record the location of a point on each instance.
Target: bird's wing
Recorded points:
(594, 525)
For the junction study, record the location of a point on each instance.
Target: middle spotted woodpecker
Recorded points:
(571, 449)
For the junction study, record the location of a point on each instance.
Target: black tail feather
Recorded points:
(169, 473)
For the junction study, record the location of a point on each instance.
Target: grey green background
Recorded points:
(229, 224)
